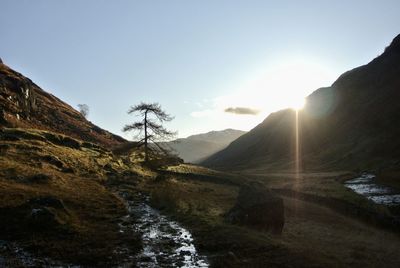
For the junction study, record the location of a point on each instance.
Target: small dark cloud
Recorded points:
(242, 110)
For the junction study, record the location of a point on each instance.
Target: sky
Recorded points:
(211, 64)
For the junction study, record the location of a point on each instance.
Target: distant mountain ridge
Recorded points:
(197, 147)
(24, 104)
(353, 124)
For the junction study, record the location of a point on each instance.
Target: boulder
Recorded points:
(43, 218)
(40, 214)
(258, 208)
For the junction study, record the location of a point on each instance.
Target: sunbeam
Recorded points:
(297, 150)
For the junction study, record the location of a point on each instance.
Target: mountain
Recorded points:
(353, 124)
(24, 104)
(197, 147)
(56, 171)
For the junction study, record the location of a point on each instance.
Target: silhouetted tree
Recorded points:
(151, 125)
(84, 109)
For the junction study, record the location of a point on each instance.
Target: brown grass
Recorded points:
(33, 166)
(313, 236)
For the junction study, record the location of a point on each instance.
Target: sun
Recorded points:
(297, 104)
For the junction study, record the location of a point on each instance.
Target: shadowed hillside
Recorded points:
(353, 124)
(24, 104)
(198, 147)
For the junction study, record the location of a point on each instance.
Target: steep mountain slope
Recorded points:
(24, 104)
(55, 172)
(198, 147)
(353, 124)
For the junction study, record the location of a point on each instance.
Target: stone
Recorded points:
(43, 218)
(47, 201)
(39, 178)
(258, 208)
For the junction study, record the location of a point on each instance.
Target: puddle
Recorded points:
(365, 185)
(165, 242)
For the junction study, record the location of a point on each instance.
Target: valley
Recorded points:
(316, 186)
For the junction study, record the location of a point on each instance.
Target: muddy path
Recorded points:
(165, 242)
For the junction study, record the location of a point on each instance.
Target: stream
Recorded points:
(366, 185)
(165, 242)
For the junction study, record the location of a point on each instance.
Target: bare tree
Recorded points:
(151, 125)
(84, 109)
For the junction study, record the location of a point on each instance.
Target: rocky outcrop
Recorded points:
(258, 208)
(40, 214)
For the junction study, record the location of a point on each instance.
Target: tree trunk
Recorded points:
(146, 155)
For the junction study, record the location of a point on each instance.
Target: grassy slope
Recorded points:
(23, 104)
(196, 148)
(43, 164)
(314, 235)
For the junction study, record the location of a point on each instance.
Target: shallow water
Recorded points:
(165, 242)
(365, 185)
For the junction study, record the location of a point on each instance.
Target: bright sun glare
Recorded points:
(282, 85)
(298, 104)
(285, 85)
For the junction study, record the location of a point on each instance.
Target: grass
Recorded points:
(390, 178)
(314, 235)
(39, 164)
(43, 164)
(326, 186)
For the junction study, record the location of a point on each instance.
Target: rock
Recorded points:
(47, 201)
(43, 211)
(39, 178)
(258, 208)
(41, 214)
(43, 217)
(145, 258)
(3, 246)
(232, 256)
(1, 61)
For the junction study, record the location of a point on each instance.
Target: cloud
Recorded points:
(242, 110)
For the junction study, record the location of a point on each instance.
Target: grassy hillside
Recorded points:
(54, 199)
(195, 148)
(352, 124)
(24, 104)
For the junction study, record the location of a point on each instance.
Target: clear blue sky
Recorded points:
(195, 58)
